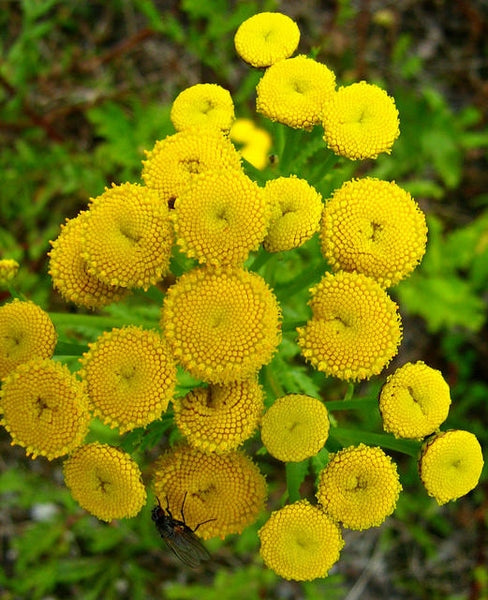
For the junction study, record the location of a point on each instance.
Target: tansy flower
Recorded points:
(219, 418)
(450, 464)
(220, 217)
(293, 91)
(414, 401)
(26, 332)
(105, 481)
(127, 236)
(355, 329)
(203, 105)
(8, 270)
(295, 427)
(359, 487)
(68, 269)
(222, 325)
(296, 208)
(360, 121)
(45, 408)
(373, 227)
(130, 376)
(300, 542)
(254, 143)
(173, 162)
(266, 38)
(225, 487)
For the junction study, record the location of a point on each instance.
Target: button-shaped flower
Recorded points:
(266, 38)
(295, 427)
(355, 328)
(175, 161)
(130, 376)
(254, 143)
(218, 418)
(127, 236)
(45, 408)
(105, 481)
(296, 208)
(220, 217)
(222, 325)
(26, 332)
(293, 91)
(360, 121)
(450, 464)
(414, 401)
(373, 227)
(203, 105)
(8, 270)
(300, 542)
(359, 487)
(69, 271)
(225, 487)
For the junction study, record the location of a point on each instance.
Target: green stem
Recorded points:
(348, 437)
(261, 258)
(352, 404)
(305, 280)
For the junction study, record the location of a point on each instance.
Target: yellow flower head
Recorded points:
(226, 487)
(68, 269)
(105, 481)
(254, 143)
(295, 427)
(360, 121)
(296, 208)
(266, 38)
(130, 376)
(293, 91)
(373, 227)
(359, 487)
(26, 332)
(219, 418)
(127, 236)
(222, 325)
(175, 161)
(414, 401)
(45, 408)
(8, 270)
(450, 464)
(203, 105)
(300, 542)
(220, 217)
(355, 329)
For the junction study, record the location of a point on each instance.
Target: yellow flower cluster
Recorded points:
(218, 418)
(222, 325)
(373, 227)
(266, 38)
(130, 376)
(227, 488)
(450, 464)
(203, 105)
(414, 401)
(26, 332)
(296, 208)
(45, 408)
(295, 427)
(221, 217)
(359, 487)
(105, 481)
(355, 329)
(300, 542)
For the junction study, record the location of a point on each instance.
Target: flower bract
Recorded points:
(300, 542)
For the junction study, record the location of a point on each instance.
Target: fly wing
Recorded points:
(187, 547)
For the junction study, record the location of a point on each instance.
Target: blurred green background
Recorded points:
(85, 87)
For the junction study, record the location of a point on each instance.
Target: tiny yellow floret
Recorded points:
(266, 38)
(300, 542)
(414, 401)
(450, 464)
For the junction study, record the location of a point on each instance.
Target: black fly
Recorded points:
(179, 537)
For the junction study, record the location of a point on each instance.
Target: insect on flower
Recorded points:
(179, 537)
